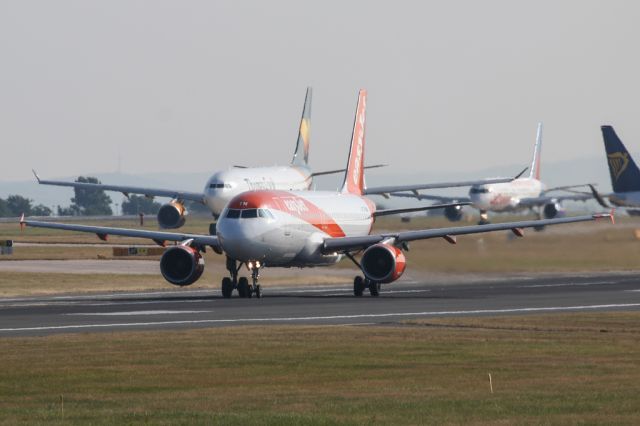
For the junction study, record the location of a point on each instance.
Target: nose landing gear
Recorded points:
(245, 290)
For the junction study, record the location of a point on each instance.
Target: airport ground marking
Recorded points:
(324, 318)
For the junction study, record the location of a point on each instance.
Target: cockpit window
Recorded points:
(233, 213)
(479, 190)
(249, 213)
(219, 185)
(265, 214)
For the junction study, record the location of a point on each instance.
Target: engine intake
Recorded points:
(172, 215)
(181, 265)
(553, 210)
(383, 263)
(453, 213)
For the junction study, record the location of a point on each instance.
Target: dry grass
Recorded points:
(573, 368)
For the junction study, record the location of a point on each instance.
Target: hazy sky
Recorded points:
(200, 85)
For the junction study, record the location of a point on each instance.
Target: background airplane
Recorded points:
(625, 175)
(518, 194)
(223, 185)
(275, 228)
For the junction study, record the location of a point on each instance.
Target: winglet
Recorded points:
(610, 215)
(22, 222)
(521, 173)
(36, 175)
(597, 196)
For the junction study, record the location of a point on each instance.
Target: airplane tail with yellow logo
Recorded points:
(625, 175)
(301, 154)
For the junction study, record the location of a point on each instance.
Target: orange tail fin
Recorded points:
(354, 175)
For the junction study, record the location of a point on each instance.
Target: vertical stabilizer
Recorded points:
(625, 176)
(301, 154)
(534, 171)
(354, 175)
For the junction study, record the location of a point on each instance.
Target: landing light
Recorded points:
(257, 263)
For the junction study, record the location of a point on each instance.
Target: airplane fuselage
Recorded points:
(222, 186)
(287, 228)
(501, 197)
(625, 199)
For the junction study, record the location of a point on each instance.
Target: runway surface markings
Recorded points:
(324, 318)
(133, 313)
(569, 284)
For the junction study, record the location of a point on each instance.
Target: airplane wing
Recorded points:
(350, 244)
(438, 198)
(103, 232)
(545, 199)
(333, 172)
(126, 190)
(385, 190)
(418, 209)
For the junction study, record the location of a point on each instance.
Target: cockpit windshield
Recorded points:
(479, 190)
(219, 185)
(233, 213)
(249, 214)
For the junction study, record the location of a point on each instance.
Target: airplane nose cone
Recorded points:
(240, 240)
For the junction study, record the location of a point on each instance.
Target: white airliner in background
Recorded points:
(522, 193)
(275, 228)
(222, 186)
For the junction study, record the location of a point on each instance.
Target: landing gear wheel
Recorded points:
(358, 286)
(227, 287)
(258, 291)
(374, 288)
(243, 287)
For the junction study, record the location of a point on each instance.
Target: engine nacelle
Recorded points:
(453, 213)
(553, 210)
(172, 215)
(181, 265)
(383, 263)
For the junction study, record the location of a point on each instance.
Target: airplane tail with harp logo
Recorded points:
(625, 175)
(301, 154)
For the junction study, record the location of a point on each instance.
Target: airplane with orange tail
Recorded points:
(275, 228)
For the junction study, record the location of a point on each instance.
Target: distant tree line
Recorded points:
(15, 205)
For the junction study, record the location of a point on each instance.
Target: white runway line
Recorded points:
(323, 318)
(569, 284)
(134, 313)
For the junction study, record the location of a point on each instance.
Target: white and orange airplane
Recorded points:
(223, 185)
(518, 194)
(275, 228)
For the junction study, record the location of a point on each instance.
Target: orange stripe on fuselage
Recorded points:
(291, 204)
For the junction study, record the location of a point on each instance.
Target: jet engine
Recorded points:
(383, 263)
(172, 215)
(181, 265)
(453, 213)
(553, 210)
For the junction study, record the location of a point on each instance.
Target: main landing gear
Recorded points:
(245, 290)
(360, 283)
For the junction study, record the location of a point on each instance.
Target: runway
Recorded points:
(326, 305)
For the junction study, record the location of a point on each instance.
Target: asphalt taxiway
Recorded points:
(320, 305)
